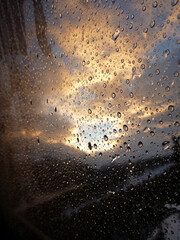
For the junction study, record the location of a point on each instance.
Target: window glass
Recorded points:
(90, 118)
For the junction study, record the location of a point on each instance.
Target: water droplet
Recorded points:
(118, 114)
(178, 16)
(142, 66)
(90, 78)
(152, 24)
(176, 74)
(113, 95)
(146, 129)
(171, 108)
(167, 89)
(128, 149)
(176, 124)
(115, 34)
(130, 25)
(89, 146)
(105, 137)
(152, 133)
(95, 146)
(89, 111)
(125, 127)
(140, 144)
(157, 71)
(167, 52)
(131, 95)
(174, 2)
(145, 30)
(164, 35)
(134, 45)
(165, 144)
(161, 122)
(155, 4)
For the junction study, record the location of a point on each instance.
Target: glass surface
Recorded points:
(90, 119)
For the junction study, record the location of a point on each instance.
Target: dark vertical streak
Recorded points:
(4, 33)
(2, 43)
(41, 27)
(8, 21)
(18, 27)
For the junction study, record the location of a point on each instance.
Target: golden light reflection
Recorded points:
(101, 77)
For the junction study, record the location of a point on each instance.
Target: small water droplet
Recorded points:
(145, 30)
(128, 149)
(176, 74)
(134, 45)
(164, 35)
(89, 146)
(161, 122)
(131, 95)
(167, 52)
(165, 145)
(130, 25)
(167, 89)
(125, 127)
(116, 34)
(113, 95)
(152, 133)
(89, 111)
(152, 24)
(155, 4)
(146, 129)
(157, 71)
(118, 114)
(176, 124)
(105, 137)
(95, 146)
(140, 144)
(171, 108)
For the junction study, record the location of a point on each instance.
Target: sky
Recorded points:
(109, 91)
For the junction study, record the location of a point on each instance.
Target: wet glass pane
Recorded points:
(90, 119)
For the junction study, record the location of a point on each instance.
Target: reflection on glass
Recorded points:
(89, 113)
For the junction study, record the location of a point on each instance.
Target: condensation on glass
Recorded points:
(90, 118)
